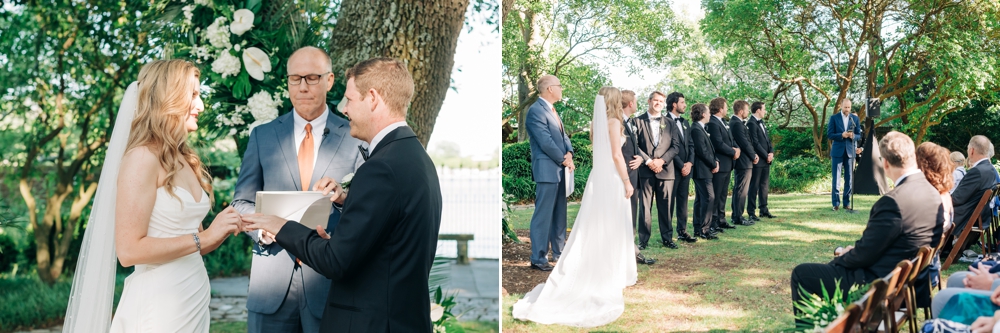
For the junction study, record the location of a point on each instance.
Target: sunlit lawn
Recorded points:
(737, 283)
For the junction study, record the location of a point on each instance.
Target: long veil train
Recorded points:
(585, 288)
(91, 300)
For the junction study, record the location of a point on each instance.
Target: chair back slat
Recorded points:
(846, 322)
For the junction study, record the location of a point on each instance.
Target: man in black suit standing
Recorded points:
(726, 152)
(761, 179)
(630, 152)
(743, 165)
(380, 255)
(683, 163)
(980, 177)
(705, 165)
(658, 144)
(900, 222)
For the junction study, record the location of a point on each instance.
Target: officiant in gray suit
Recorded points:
(293, 153)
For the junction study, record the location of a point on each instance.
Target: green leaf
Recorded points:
(253, 6)
(242, 87)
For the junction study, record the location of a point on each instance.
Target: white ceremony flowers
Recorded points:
(218, 34)
(242, 22)
(226, 64)
(436, 312)
(263, 107)
(256, 62)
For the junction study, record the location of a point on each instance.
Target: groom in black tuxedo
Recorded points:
(658, 144)
(380, 255)
(683, 165)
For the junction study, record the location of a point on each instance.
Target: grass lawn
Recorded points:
(740, 282)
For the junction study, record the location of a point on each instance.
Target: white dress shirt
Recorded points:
(900, 180)
(654, 128)
(381, 134)
(680, 129)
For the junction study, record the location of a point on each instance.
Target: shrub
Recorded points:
(36, 302)
(792, 142)
(516, 168)
(799, 174)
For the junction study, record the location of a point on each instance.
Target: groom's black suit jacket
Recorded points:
(380, 255)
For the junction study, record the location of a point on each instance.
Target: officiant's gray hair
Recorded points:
(329, 61)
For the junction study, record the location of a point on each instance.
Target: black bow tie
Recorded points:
(655, 118)
(364, 152)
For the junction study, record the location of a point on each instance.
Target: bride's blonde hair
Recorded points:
(164, 103)
(613, 102)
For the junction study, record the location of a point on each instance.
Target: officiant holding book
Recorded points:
(380, 254)
(293, 153)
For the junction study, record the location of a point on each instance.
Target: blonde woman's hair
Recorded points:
(165, 97)
(613, 102)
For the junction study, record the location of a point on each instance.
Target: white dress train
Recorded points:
(585, 287)
(172, 296)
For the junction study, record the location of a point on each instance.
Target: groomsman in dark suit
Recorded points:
(683, 163)
(658, 144)
(760, 181)
(726, 152)
(705, 165)
(744, 165)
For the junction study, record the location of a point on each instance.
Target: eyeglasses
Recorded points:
(311, 79)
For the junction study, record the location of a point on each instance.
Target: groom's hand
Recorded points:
(322, 232)
(327, 185)
(268, 223)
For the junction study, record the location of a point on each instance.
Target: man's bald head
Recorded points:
(549, 88)
(980, 146)
(311, 52)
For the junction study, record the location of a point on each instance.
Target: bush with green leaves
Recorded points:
(818, 311)
(516, 168)
(800, 174)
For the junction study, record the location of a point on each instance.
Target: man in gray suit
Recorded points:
(551, 154)
(293, 153)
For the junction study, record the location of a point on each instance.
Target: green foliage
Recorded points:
(956, 129)
(508, 231)
(36, 302)
(448, 321)
(8, 252)
(580, 84)
(792, 142)
(516, 168)
(799, 174)
(818, 312)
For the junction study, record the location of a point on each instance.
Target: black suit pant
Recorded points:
(703, 200)
(679, 200)
(659, 189)
(720, 181)
(740, 189)
(810, 276)
(760, 184)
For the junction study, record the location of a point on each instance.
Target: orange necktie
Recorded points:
(306, 158)
(557, 119)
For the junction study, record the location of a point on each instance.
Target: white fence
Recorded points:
(471, 205)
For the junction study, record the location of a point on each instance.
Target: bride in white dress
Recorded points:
(153, 209)
(585, 287)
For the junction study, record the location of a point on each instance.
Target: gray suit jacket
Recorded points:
(548, 144)
(271, 164)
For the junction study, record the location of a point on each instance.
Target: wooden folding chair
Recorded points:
(871, 312)
(924, 256)
(940, 245)
(895, 295)
(973, 228)
(847, 321)
(991, 234)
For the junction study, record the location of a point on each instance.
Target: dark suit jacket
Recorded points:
(969, 191)
(630, 148)
(704, 153)
(381, 253)
(668, 148)
(722, 141)
(741, 137)
(900, 223)
(686, 154)
(840, 145)
(761, 141)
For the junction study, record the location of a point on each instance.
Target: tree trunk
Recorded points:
(528, 72)
(423, 34)
(507, 5)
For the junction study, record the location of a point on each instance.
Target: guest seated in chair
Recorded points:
(980, 177)
(900, 223)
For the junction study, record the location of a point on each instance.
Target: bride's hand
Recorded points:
(226, 222)
(628, 189)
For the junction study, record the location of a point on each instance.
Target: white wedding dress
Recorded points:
(585, 287)
(172, 296)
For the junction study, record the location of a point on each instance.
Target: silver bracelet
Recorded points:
(197, 241)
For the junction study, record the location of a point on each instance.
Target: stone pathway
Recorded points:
(476, 288)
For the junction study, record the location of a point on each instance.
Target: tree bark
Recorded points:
(423, 34)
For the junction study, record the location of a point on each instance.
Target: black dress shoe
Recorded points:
(754, 218)
(708, 236)
(643, 246)
(639, 259)
(542, 268)
(749, 221)
(716, 230)
(669, 244)
(743, 222)
(687, 238)
(768, 215)
(725, 225)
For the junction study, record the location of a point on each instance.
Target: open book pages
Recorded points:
(310, 208)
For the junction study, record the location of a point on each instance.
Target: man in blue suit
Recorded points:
(844, 129)
(293, 153)
(551, 154)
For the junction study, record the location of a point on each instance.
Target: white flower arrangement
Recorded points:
(242, 22)
(226, 64)
(218, 34)
(436, 310)
(256, 62)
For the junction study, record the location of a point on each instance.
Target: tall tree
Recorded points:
(424, 34)
(68, 63)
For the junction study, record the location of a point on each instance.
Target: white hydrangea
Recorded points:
(263, 106)
(218, 33)
(201, 52)
(206, 3)
(188, 14)
(226, 64)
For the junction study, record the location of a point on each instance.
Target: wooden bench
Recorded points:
(463, 245)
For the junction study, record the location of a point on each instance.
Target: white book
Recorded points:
(310, 208)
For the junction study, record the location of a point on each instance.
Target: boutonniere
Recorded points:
(346, 182)
(663, 124)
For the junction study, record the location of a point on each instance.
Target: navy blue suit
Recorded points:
(842, 153)
(549, 144)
